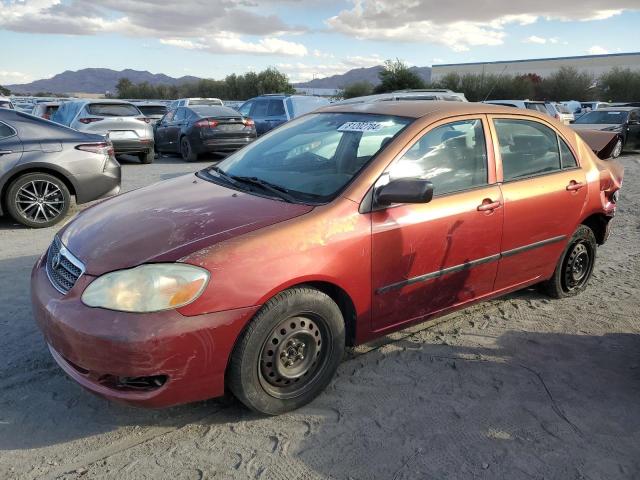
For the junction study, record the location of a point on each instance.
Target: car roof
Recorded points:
(419, 108)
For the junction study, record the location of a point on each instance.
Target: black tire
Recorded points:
(38, 200)
(147, 157)
(186, 150)
(575, 266)
(302, 330)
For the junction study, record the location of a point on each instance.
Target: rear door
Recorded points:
(544, 192)
(10, 148)
(427, 257)
(161, 127)
(174, 127)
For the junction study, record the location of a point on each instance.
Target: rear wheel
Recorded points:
(147, 157)
(575, 266)
(288, 353)
(186, 150)
(38, 200)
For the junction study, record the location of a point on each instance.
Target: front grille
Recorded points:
(63, 269)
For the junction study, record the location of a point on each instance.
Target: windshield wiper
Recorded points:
(225, 175)
(278, 190)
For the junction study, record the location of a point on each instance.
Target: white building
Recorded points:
(595, 64)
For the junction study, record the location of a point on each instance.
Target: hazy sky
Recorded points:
(304, 38)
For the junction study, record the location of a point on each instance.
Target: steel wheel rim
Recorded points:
(294, 354)
(578, 266)
(618, 149)
(40, 201)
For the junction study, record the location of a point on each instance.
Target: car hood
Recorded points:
(167, 221)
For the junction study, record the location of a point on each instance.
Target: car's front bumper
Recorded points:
(98, 347)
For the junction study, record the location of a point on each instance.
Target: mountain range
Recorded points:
(102, 80)
(369, 74)
(95, 80)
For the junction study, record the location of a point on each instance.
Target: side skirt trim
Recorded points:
(468, 265)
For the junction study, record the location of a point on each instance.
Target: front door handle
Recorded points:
(488, 205)
(574, 186)
(5, 152)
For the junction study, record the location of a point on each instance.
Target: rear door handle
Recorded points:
(488, 205)
(5, 152)
(573, 186)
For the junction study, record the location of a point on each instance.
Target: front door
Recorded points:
(544, 192)
(427, 257)
(633, 130)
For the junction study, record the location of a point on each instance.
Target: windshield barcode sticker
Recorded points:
(361, 127)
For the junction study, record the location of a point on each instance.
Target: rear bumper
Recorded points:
(97, 347)
(224, 144)
(99, 185)
(132, 146)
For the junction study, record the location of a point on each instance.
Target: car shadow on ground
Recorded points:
(513, 404)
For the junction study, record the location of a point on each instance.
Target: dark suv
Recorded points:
(269, 111)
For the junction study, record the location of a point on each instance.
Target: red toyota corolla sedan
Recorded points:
(333, 229)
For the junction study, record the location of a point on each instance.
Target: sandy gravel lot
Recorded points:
(518, 388)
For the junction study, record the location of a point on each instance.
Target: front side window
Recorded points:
(316, 156)
(259, 109)
(452, 156)
(527, 148)
(245, 108)
(275, 109)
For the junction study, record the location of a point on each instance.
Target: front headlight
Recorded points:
(147, 288)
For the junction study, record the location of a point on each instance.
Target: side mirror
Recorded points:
(572, 121)
(634, 122)
(404, 190)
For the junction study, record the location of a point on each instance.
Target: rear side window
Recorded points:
(112, 110)
(275, 108)
(6, 131)
(527, 148)
(453, 157)
(259, 109)
(566, 155)
(180, 114)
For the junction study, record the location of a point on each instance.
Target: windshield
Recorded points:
(316, 156)
(602, 117)
(112, 110)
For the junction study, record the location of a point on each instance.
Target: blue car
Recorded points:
(269, 111)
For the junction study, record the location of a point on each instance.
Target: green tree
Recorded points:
(357, 89)
(568, 83)
(4, 91)
(396, 75)
(124, 87)
(620, 85)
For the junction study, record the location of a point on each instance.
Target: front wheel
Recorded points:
(575, 266)
(289, 352)
(617, 150)
(38, 200)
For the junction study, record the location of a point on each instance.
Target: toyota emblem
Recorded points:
(55, 261)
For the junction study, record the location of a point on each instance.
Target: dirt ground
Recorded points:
(518, 388)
